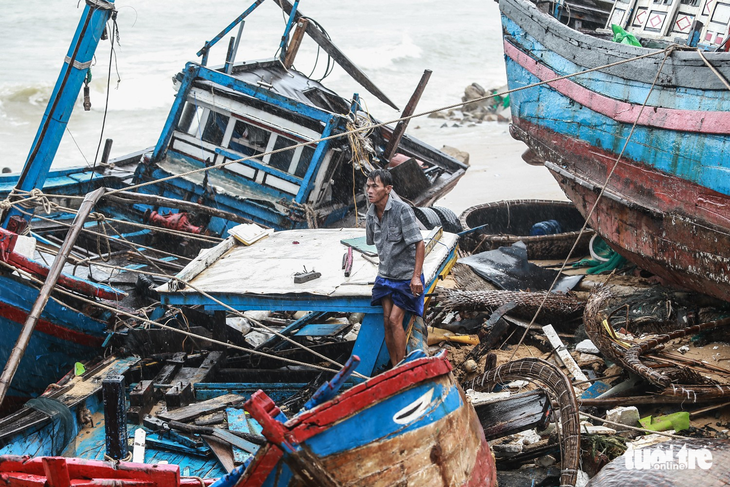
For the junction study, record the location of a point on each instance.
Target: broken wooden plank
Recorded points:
(179, 395)
(516, 413)
(296, 41)
(321, 329)
(338, 56)
(239, 422)
(400, 128)
(188, 413)
(432, 239)
(222, 451)
(563, 354)
(199, 264)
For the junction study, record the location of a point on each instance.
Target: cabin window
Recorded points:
(294, 161)
(721, 15)
(215, 128)
(282, 160)
(190, 120)
(248, 139)
(304, 159)
(691, 3)
(663, 2)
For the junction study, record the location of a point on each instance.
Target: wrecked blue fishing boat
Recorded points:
(246, 141)
(211, 409)
(636, 133)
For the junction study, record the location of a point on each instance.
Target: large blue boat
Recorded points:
(637, 136)
(246, 141)
(210, 411)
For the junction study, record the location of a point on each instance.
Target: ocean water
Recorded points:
(393, 42)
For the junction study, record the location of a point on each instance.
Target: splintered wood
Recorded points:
(563, 354)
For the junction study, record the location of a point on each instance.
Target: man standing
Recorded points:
(391, 226)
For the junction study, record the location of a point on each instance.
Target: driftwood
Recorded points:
(560, 390)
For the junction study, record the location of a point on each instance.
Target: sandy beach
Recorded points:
(497, 171)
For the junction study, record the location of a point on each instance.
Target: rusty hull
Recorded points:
(668, 226)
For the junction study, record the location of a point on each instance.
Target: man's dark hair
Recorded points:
(385, 177)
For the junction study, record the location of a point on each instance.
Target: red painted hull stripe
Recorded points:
(484, 473)
(706, 122)
(19, 316)
(363, 395)
(668, 193)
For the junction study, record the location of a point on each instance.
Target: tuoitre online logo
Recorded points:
(668, 459)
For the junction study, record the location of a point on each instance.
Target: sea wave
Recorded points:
(33, 94)
(383, 56)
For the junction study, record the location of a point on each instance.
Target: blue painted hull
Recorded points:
(63, 336)
(378, 433)
(388, 437)
(652, 126)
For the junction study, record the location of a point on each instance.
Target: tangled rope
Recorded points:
(358, 130)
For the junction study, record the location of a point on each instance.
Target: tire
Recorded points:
(428, 218)
(448, 218)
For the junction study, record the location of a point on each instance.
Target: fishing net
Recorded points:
(63, 428)
(561, 305)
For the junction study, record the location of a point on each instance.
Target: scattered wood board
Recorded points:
(563, 354)
(188, 413)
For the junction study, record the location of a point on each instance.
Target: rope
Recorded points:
(100, 217)
(233, 310)
(107, 458)
(37, 198)
(381, 124)
(194, 477)
(667, 52)
(713, 69)
(207, 239)
(270, 330)
(371, 126)
(134, 246)
(173, 329)
(309, 213)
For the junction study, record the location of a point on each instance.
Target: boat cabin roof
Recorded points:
(290, 83)
(267, 268)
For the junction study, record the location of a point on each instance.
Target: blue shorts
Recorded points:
(400, 293)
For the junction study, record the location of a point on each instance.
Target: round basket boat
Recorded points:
(505, 222)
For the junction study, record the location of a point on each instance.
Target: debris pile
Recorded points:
(618, 359)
